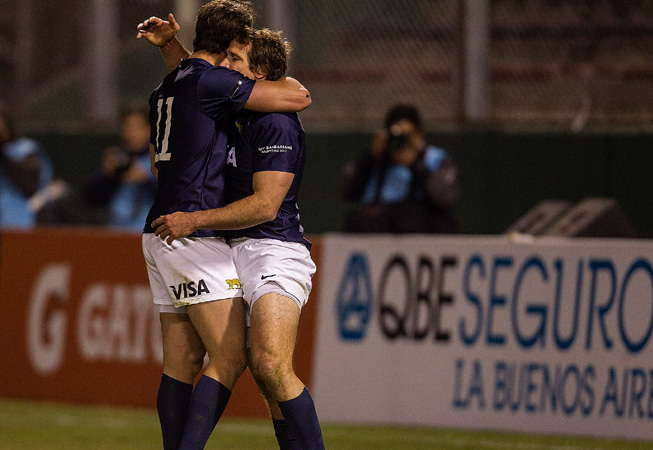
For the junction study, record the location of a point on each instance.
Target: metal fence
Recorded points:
(544, 63)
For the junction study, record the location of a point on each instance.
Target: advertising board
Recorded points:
(543, 335)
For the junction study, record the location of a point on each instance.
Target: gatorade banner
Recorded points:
(550, 336)
(77, 322)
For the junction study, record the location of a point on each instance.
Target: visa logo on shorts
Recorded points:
(190, 289)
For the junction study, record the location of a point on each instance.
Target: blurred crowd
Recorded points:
(398, 184)
(118, 194)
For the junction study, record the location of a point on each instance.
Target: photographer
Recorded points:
(403, 184)
(122, 190)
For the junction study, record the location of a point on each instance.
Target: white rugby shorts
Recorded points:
(190, 271)
(270, 265)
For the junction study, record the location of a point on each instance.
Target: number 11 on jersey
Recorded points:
(161, 127)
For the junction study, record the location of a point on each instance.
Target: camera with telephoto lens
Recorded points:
(396, 141)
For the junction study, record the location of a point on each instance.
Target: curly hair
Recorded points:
(221, 21)
(269, 53)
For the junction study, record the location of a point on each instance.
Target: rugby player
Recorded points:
(190, 116)
(265, 165)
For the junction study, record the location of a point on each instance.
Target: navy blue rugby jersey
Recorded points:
(191, 113)
(267, 142)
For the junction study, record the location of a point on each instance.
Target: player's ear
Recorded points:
(260, 74)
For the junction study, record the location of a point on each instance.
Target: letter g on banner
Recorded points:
(46, 320)
(355, 298)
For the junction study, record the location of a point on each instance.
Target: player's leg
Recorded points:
(285, 438)
(183, 351)
(196, 275)
(183, 356)
(269, 266)
(274, 323)
(221, 325)
(273, 333)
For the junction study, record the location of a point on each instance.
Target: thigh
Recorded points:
(220, 324)
(183, 350)
(273, 331)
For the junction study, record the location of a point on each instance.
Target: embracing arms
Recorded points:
(286, 94)
(270, 189)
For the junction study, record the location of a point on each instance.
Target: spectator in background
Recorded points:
(123, 188)
(27, 189)
(403, 184)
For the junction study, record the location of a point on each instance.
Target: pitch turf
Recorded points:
(30, 425)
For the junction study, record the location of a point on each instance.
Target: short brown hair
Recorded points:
(221, 21)
(269, 53)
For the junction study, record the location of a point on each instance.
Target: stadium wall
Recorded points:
(546, 335)
(503, 173)
(78, 324)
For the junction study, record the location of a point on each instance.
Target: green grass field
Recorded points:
(30, 425)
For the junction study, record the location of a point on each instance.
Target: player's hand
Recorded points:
(158, 31)
(173, 226)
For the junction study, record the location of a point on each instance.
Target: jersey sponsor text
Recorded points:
(190, 289)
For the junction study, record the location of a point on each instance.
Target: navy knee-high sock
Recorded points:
(285, 439)
(301, 417)
(207, 404)
(172, 403)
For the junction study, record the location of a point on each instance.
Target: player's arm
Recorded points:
(163, 34)
(270, 188)
(286, 94)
